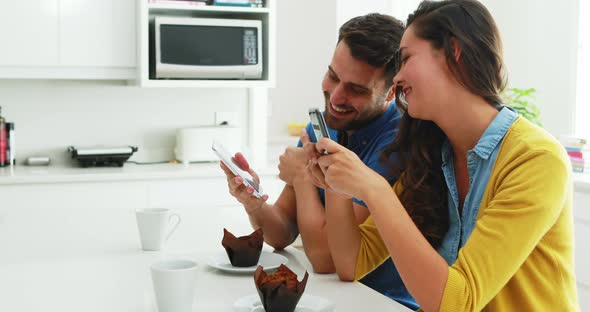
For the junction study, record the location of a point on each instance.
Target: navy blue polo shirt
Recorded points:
(368, 143)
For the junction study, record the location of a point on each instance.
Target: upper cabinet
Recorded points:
(114, 39)
(97, 33)
(29, 32)
(68, 39)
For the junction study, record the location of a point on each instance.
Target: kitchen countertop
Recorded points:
(130, 171)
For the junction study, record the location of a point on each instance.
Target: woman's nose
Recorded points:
(398, 79)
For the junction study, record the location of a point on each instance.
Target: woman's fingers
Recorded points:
(317, 175)
(328, 145)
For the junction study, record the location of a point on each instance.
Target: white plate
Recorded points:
(268, 261)
(307, 303)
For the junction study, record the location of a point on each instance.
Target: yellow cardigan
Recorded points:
(520, 255)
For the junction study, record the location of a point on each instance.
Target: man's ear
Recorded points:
(456, 49)
(390, 94)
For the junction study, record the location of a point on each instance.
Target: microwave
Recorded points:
(206, 48)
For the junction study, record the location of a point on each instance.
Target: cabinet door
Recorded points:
(29, 31)
(97, 33)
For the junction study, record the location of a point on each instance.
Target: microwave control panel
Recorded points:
(250, 47)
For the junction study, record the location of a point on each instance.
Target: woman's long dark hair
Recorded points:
(418, 143)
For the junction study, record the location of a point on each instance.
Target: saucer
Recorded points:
(307, 303)
(268, 261)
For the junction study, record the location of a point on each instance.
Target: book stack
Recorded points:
(7, 146)
(575, 147)
(182, 2)
(244, 3)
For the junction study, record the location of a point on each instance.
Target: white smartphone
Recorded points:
(318, 124)
(226, 158)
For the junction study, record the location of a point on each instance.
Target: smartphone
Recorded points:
(318, 124)
(226, 158)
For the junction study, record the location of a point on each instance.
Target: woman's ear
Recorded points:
(456, 49)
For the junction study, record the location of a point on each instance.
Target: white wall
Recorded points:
(306, 36)
(540, 48)
(539, 41)
(539, 36)
(51, 115)
(307, 31)
(347, 9)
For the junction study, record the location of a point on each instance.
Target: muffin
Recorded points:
(243, 251)
(279, 291)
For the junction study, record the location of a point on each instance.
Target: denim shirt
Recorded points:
(368, 143)
(480, 163)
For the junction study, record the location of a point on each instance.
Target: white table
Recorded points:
(75, 259)
(120, 281)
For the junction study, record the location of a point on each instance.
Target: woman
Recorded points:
(502, 185)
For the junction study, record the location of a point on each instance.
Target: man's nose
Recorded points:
(338, 95)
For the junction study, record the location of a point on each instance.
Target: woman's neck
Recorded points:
(465, 122)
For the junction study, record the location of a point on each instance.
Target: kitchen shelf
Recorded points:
(169, 83)
(165, 7)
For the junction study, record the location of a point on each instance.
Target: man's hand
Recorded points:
(293, 162)
(244, 194)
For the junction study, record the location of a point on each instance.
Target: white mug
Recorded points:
(153, 224)
(174, 285)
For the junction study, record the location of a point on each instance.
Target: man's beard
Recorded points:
(364, 118)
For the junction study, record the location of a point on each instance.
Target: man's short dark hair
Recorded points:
(374, 38)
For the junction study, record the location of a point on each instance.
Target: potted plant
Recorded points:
(523, 101)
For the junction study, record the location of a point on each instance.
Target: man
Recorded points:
(360, 115)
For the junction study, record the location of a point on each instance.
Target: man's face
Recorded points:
(354, 91)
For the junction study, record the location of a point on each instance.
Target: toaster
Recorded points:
(194, 144)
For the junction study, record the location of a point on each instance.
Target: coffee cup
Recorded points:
(155, 225)
(174, 284)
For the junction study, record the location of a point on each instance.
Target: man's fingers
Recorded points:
(241, 161)
(304, 137)
(254, 175)
(226, 169)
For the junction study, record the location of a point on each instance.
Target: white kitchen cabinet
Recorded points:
(29, 32)
(584, 298)
(64, 217)
(582, 235)
(97, 33)
(68, 39)
(204, 193)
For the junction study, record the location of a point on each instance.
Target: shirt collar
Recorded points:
(495, 132)
(490, 138)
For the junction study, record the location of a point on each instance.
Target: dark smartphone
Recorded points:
(318, 124)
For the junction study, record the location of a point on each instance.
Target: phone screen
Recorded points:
(226, 158)
(318, 124)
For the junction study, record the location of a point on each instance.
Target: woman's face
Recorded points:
(424, 76)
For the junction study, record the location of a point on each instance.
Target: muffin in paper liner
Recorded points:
(279, 291)
(243, 251)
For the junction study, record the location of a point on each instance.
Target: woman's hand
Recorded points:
(342, 171)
